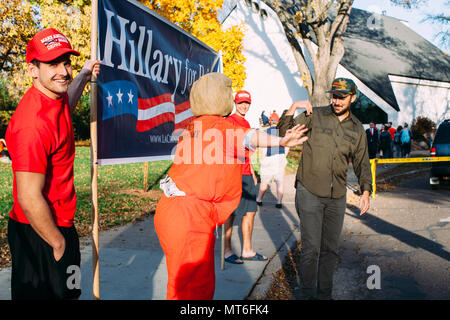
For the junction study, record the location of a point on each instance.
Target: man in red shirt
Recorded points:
(42, 238)
(247, 206)
(274, 117)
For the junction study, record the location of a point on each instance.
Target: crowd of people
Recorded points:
(197, 197)
(388, 141)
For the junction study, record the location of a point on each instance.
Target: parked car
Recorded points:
(440, 171)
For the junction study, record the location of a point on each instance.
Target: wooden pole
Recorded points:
(145, 176)
(222, 246)
(94, 164)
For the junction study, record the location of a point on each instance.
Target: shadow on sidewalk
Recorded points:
(410, 238)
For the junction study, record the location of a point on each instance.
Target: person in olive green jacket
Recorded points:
(335, 138)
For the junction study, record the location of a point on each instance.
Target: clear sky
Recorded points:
(414, 17)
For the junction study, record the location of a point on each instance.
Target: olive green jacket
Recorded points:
(331, 146)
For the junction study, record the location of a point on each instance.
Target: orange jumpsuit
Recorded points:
(207, 167)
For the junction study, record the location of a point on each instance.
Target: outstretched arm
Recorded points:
(293, 137)
(77, 86)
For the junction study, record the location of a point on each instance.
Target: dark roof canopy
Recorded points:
(377, 46)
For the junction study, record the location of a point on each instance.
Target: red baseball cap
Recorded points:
(47, 45)
(243, 96)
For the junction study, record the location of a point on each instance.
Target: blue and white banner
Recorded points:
(147, 71)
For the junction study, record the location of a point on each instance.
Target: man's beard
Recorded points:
(341, 112)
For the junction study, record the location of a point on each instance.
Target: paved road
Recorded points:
(406, 235)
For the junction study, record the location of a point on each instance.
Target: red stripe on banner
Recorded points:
(183, 124)
(144, 104)
(182, 107)
(144, 125)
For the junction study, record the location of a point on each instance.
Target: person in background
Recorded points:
(372, 140)
(392, 132)
(274, 117)
(398, 142)
(406, 141)
(273, 163)
(247, 206)
(264, 119)
(385, 143)
(4, 154)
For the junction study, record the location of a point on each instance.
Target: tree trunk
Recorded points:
(330, 44)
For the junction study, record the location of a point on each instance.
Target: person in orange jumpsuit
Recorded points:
(204, 186)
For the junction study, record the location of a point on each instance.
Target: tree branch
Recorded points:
(295, 46)
(343, 12)
(321, 17)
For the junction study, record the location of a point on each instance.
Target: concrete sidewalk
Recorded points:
(133, 266)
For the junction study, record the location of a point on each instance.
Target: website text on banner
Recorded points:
(373, 164)
(148, 68)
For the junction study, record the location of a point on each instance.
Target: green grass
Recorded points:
(293, 158)
(6, 182)
(121, 197)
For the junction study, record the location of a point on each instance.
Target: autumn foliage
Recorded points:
(199, 18)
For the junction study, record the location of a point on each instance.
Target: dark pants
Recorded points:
(372, 148)
(406, 149)
(321, 221)
(35, 273)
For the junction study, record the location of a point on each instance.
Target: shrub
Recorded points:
(81, 119)
(422, 125)
(421, 128)
(5, 116)
(7, 107)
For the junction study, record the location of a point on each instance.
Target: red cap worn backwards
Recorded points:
(242, 96)
(47, 45)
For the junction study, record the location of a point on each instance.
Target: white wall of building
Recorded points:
(272, 79)
(418, 97)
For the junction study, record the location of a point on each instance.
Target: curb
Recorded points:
(276, 262)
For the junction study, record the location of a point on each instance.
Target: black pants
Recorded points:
(36, 275)
(321, 221)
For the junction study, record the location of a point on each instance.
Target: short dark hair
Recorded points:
(35, 62)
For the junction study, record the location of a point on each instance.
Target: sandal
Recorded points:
(256, 257)
(232, 259)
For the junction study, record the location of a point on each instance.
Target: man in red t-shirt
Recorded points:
(42, 238)
(247, 206)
